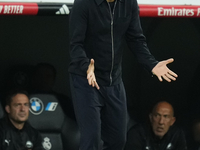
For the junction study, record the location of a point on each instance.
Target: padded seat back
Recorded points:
(1, 111)
(58, 131)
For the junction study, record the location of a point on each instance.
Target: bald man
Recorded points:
(161, 134)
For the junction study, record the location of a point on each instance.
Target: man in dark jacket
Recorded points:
(97, 29)
(15, 132)
(161, 135)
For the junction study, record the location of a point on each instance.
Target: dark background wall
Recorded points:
(33, 39)
(176, 38)
(28, 40)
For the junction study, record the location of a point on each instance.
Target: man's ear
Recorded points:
(7, 108)
(173, 120)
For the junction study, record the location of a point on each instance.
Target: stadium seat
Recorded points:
(58, 131)
(130, 122)
(1, 111)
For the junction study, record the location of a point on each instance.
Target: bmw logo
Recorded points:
(37, 106)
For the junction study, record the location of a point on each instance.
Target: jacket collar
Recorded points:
(100, 1)
(9, 123)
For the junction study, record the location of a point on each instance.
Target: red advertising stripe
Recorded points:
(169, 11)
(145, 10)
(18, 8)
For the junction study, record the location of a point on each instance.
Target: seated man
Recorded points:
(160, 135)
(15, 132)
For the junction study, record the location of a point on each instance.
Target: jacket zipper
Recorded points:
(112, 18)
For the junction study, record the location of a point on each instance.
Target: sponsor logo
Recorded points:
(169, 146)
(11, 9)
(63, 10)
(7, 142)
(46, 143)
(29, 144)
(37, 106)
(175, 12)
(51, 106)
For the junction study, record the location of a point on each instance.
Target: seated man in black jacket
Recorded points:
(161, 135)
(15, 132)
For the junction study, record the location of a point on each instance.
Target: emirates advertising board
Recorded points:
(169, 8)
(148, 8)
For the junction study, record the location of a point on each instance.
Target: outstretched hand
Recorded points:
(91, 76)
(163, 72)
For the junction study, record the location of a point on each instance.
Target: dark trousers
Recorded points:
(101, 114)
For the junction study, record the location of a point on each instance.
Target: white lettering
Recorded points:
(5, 9)
(21, 9)
(160, 10)
(181, 12)
(13, 9)
(17, 10)
(198, 12)
(8, 9)
(168, 12)
(190, 12)
(184, 10)
(173, 12)
(1, 7)
(176, 12)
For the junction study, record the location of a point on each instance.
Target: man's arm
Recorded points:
(78, 26)
(77, 29)
(137, 43)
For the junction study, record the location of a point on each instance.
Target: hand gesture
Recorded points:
(163, 72)
(91, 76)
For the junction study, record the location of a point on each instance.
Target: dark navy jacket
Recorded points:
(142, 138)
(13, 139)
(97, 31)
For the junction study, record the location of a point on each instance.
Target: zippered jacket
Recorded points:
(98, 32)
(13, 139)
(141, 137)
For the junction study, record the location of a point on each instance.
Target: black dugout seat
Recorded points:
(130, 122)
(1, 111)
(58, 131)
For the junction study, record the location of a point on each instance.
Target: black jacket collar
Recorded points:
(12, 126)
(100, 1)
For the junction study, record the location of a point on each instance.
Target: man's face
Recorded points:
(161, 119)
(18, 110)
